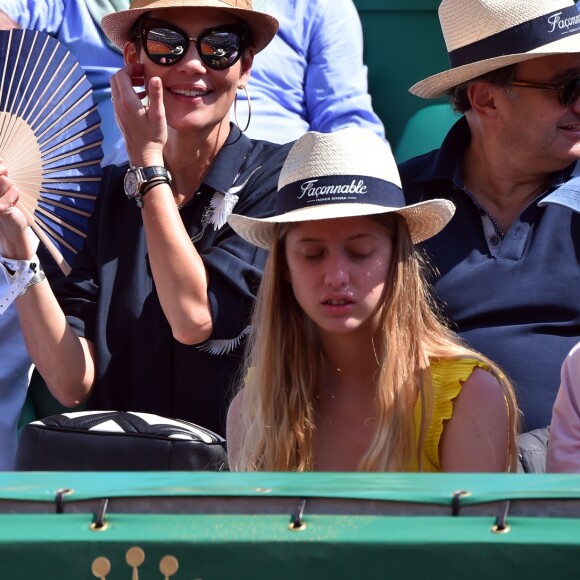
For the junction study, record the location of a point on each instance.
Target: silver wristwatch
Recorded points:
(138, 178)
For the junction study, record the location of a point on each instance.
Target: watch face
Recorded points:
(131, 184)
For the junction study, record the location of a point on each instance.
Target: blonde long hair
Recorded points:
(282, 369)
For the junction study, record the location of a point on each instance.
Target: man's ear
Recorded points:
(482, 96)
(130, 53)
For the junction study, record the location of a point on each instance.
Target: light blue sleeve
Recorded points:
(336, 85)
(43, 15)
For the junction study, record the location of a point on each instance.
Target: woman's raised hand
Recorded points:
(144, 127)
(16, 239)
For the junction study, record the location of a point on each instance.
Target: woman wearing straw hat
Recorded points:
(349, 368)
(157, 304)
(508, 268)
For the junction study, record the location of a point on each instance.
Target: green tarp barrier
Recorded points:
(236, 526)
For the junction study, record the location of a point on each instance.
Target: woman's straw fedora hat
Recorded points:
(263, 27)
(485, 35)
(350, 172)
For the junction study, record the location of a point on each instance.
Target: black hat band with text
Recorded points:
(521, 38)
(338, 189)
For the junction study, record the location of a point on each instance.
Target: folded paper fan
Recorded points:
(50, 138)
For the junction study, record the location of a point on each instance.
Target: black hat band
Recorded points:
(521, 38)
(338, 189)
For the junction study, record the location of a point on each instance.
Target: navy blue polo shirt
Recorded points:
(521, 306)
(110, 297)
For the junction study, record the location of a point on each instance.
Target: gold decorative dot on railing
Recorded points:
(135, 557)
(168, 566)
(101, 567)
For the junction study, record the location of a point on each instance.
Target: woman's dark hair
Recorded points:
(500, 77)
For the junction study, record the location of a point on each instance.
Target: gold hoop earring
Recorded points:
(249, 109)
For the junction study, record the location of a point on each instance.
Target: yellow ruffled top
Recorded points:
(447, 377)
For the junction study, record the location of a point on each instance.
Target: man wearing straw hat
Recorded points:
(508, 266)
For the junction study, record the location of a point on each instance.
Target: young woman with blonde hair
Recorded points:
(349, 367)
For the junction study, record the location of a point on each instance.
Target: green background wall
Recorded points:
(403, 44)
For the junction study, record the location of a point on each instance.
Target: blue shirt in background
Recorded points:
(311, 77)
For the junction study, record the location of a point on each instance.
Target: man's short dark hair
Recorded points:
(500, 77)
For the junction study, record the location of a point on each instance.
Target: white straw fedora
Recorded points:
(350, 172)
(117, 25)
(485, 35)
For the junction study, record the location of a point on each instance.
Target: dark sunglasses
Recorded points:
(218, 48)
(568, 91)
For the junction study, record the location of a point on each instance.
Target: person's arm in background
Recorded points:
(564, 443)
(336, 84)
(6, 22)
(43, 15)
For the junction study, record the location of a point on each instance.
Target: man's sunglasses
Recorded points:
(568, 91)
(219, 48)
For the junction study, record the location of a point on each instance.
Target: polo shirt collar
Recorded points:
(567, 193)
(442, 165)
